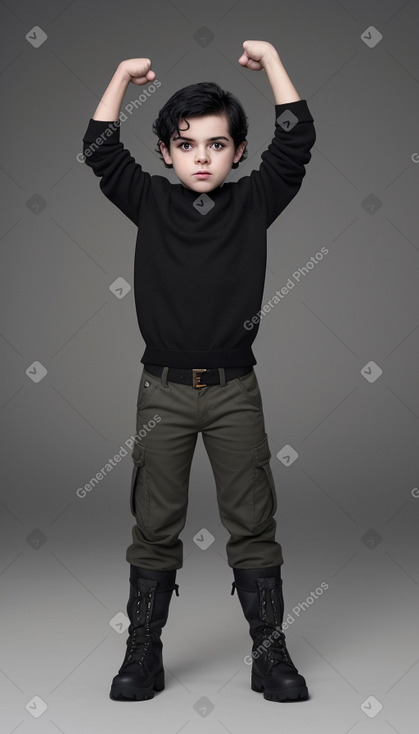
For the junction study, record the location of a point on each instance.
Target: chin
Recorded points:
(201, 186)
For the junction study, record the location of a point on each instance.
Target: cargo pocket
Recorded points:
(140, 499)
(264, 493)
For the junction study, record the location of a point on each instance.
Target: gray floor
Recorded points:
(356, 644)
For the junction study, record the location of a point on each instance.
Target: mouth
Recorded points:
(202, 174)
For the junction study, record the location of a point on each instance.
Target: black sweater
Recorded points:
(200, 259)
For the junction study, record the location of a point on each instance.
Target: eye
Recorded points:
(181, 145)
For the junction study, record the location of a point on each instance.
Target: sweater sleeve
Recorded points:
(122, 180)
(282, 170)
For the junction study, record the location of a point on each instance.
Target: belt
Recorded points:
(194, 376)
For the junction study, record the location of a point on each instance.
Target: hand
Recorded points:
(138, 71)
(256, 53)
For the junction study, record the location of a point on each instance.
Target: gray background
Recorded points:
(347, 507)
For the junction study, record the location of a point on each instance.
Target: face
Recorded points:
(205, 146)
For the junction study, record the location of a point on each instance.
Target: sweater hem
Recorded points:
(199, 359)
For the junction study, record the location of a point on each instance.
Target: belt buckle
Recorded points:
(197, 377)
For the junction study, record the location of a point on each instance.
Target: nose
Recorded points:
(202, 154)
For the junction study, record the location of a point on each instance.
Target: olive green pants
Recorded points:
(230, 417)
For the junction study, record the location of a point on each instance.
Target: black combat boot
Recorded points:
(142, 671)
(273, 672)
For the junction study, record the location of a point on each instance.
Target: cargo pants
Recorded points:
(230, 417)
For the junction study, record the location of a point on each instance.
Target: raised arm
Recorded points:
(137, 71)
(259, 55)
(282, 170)
(122, 179)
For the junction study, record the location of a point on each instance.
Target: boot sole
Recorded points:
(287, 694)
(133, 693)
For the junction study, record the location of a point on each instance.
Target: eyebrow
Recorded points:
(191, 140)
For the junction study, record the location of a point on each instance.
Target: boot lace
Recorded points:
(277, 651)
(138, 647)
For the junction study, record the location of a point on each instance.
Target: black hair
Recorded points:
(196, 100)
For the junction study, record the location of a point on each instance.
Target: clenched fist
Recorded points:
(138, 71)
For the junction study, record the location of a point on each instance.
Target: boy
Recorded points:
(199, 273)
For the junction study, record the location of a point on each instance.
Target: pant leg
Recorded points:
(162, 455)
(238, 449)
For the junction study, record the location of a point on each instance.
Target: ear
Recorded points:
(165, 153)
(239, 151)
